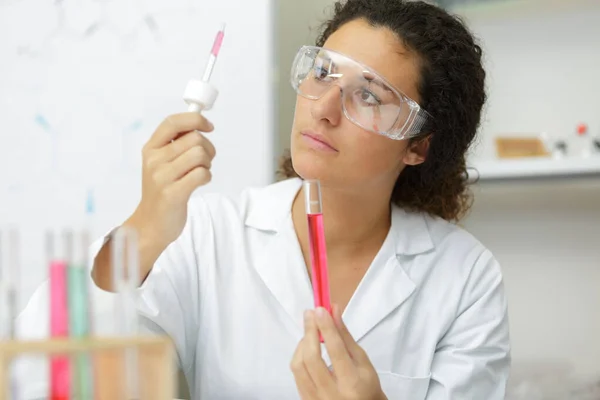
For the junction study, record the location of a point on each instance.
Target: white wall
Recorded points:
(546, 236)
(542, 69)
(544, 77)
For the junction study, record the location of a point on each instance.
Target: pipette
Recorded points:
(200, 95)
(214, 53)
(316, 240)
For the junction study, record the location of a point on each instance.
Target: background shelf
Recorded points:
(534, 168)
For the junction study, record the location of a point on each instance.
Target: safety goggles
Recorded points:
(368, 100)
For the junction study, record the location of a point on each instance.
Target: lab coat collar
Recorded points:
(412, 232)
(270, 206)
(385, 286)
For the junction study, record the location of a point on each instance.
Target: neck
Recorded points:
(353, 220)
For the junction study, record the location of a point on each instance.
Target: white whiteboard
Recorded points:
(84, 83)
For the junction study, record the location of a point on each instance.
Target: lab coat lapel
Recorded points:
(384, 288)
(386, 285)
(283, 271)
(280, 263)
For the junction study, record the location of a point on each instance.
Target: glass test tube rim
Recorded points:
(312, 206)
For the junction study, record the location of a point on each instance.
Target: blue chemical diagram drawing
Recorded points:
(84, 84)
(87, 148)
(121, 152)
(130, 25)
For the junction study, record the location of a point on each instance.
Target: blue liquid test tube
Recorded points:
(82, 385)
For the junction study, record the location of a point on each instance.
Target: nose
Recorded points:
(329, 106)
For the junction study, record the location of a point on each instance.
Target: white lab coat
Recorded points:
(430, 312)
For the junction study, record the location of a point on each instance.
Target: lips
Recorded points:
(318, 138)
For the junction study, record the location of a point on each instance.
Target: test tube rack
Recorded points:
(157, 372)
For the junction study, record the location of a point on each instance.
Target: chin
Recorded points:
(309, 165)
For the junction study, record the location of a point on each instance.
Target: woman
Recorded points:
(388, 103)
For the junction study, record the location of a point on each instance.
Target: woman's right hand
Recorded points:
(176, 161)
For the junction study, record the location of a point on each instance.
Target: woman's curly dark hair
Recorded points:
(451, 88)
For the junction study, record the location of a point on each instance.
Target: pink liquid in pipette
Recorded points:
(59, 327)
(318, 258)
(217, 43)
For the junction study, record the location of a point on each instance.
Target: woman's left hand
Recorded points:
(352, 377)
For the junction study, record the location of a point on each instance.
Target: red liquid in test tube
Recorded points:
(59, 317)
(316, 240)
(318, 255)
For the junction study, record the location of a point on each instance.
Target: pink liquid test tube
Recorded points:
(316, 240)
(59, 317)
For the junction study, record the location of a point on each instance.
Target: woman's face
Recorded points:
(355, 157)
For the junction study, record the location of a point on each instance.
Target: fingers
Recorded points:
(304, 383)
(336, 347)
(180, 145)
(356, 352)
(313, 360)
(313, 378)
(194, 157)
(166, 173)
(176, 124)
(197, 177)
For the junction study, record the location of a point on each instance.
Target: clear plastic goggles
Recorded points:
(368, 100)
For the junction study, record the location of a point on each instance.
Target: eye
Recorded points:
(322, 69)
(368, 97)
(320, 73)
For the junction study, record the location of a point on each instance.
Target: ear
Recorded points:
(417, 150)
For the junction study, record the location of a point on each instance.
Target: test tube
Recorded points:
(9, 267)
(79, 313)
(5, 321)
(59, 314)
(316, 240)
(126, 278)
(126, 275)
(78, 283)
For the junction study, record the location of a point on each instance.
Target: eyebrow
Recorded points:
(371, 78)
(325, 60)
